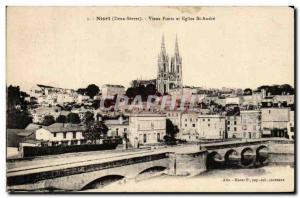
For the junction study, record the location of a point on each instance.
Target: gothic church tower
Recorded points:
(169, 74)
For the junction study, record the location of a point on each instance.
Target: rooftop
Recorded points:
(109, 85)
(65, 127)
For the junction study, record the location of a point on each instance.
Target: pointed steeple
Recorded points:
(163, 47)
(176, 47)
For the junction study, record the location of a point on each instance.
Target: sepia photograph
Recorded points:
(160, 99)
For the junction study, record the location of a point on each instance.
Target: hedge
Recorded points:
(53, 150)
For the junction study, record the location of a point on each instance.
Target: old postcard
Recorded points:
(150, 99)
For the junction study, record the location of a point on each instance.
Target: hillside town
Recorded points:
(150, 112)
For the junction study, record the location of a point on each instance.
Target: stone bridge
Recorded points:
(245, 154)
(84, 175)
(178, 160)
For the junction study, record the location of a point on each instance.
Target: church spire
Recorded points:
(176, 47)
(163, 47)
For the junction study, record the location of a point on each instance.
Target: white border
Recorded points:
(5, 3)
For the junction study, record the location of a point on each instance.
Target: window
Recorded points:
(208, 120)
(228, 128)
(54, 134)
(145, 138)
(228, 122)
(158, 137)
(185, 125)
(203, 119)
(191, 120)
(65, 135)
(208, 125)
(186, 120)
(193, 125)
(125, 129)
(234, 128)
(74, 134)
(234, 122)
(117, 132)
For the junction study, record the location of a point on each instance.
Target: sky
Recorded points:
(67, 47)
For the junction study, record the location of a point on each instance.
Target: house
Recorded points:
(233, 124)
(38, 114)
(288, 99)
(233, 100)
(245, 125)
(211, 126)
(117, 127)
(60, 133)
(33, 126)
(146, 128)
(250, 124)
(16, 136)
(274, 121)
(188, 120)
(112, 90)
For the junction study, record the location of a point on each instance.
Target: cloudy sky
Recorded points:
(67, 47)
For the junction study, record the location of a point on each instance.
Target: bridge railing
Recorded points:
(235, 144)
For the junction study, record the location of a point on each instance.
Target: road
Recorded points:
(74, 159)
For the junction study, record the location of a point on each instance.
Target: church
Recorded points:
(169, 73)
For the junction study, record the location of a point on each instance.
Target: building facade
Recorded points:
(169, 73)
(211, 126)
(59, 133)
(250, 124)
(146, 128)
(275, 121)
(112, 90)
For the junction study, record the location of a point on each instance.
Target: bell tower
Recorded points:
(169, 74)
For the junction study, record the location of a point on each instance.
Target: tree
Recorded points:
(88, 117)
(17, 119)
(248, 91)
(95, 131)
(150, 89)
(81, 91)
(278, 89)
(131, 92)
(61, 119)
(73, 118)
(48, 120)
(92, 90)
(171, 129)
(141, 90)
(17, 112)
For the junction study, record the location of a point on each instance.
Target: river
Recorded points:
(266, 179)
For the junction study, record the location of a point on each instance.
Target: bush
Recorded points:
(39, 151)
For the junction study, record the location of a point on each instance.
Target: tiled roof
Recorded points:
(32, 126)
(62, 127)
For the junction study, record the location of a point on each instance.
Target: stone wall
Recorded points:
(183, 164)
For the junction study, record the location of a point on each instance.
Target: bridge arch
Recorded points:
(149, 171)
(102, 181)
(214, 160)
(231, 158)
(247, 156)
(262, 154)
